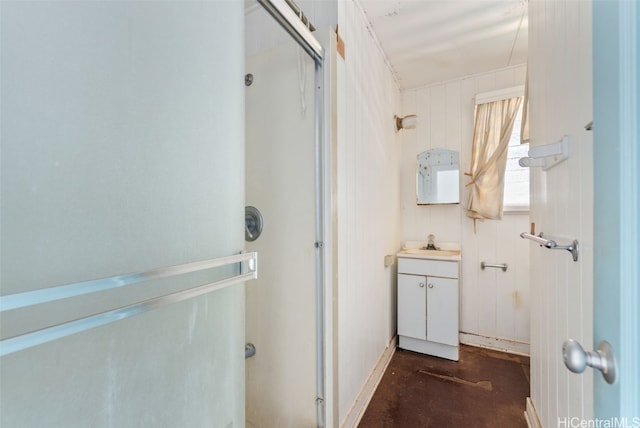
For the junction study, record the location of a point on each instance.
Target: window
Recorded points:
(516, 178)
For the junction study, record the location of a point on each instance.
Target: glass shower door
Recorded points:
(284, 181)
(122, 154)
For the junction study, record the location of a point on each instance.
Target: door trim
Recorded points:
(616, 201)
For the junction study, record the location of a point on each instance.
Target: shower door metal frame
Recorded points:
(292, 24)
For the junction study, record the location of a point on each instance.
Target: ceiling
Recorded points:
(428, 41)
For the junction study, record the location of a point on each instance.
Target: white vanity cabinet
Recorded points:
(428, 306)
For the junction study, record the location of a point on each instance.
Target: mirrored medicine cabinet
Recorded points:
(438, 177)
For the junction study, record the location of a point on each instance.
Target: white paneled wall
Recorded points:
(494, 304)
(368, 204)
(560, 82)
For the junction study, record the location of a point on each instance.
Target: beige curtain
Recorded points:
(493, 126)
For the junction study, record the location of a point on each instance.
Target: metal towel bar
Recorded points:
(50, 333)
(552, 245)
(30, 298)
(502, 266)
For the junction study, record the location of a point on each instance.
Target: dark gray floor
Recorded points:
(484, 389)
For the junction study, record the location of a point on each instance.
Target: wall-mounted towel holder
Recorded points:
(552, 245)
(502, 266)
(547, 156)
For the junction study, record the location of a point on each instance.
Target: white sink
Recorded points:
(429, 254)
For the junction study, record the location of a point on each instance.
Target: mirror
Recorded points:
(438, 177)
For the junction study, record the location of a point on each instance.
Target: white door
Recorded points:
(616, 36)
(122, 152)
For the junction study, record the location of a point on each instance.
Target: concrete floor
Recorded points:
(484, 389)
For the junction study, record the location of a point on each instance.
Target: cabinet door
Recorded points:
(442, 310)
(412, 306)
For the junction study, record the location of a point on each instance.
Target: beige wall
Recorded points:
(494, 304)
(368, 204)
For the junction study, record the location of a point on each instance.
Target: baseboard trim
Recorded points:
(430, 348)
(531, 415)
(369, 388)
(495, 343)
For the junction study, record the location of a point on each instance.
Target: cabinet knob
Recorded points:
(421, 285)
(430, 285)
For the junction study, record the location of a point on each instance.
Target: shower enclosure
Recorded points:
(283, 181)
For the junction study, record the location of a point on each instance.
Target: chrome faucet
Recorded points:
(430, 243)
